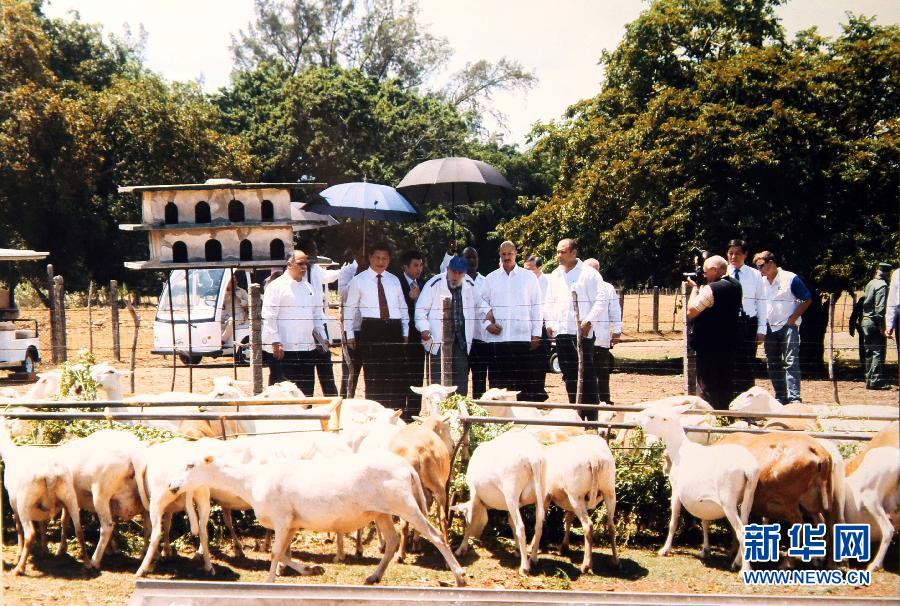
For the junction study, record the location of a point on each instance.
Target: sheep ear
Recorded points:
(680, 409)
(418, 418)
(208, 459)
(418, 390)
(396, 414)
(450, 390)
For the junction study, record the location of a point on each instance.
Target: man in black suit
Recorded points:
(414, 354)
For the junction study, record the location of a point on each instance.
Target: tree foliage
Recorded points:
(720, 130)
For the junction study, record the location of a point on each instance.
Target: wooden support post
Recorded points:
(189, 327)
(690, 356)
(114, 319)
(446, 343)
(579, 386)
(656, 309)
(172, 326)
(639, 310)
(59, 292)
(622, 306)
(134, 340)
(90, 303)
(834, 386)
(51, 297)
(256, 369)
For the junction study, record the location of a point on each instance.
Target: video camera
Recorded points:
(699, 256)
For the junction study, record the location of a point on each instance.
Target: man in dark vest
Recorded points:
(714, 310)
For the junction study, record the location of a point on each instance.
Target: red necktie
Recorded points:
(383, 310)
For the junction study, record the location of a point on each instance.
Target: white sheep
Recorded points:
(38, 484)
(691, 402)
(506, 473)
(103, 464)
(546, 434)
(432, 397)
(580, 472)
(342, 496)
(709, 484)
(873, 497)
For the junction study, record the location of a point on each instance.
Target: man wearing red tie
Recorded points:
(377, 297)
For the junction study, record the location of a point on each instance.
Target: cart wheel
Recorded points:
(189, 360)
(554, 363)
(28, 362)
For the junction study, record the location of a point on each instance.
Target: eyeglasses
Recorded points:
(298, 263)
(761, 264)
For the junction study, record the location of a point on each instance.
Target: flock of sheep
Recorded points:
(294, 475)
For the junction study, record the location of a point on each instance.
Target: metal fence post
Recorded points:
(114, 319)
(446, 343)
(134, 339)
(690, 356)
(256, 338)
(59, 304)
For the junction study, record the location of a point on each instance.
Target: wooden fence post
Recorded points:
(59, 292)
(114, 319)
(656, 309)
(832, 306)
(54, 330)
(134, 339)
(90, 302)
(639, 310)
(579, 386)
(256, 338)
(622, 306)
(690, 356)
(446, 343)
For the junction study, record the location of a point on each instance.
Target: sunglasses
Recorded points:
(761, 265)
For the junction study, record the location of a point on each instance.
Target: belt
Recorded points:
(388, 321)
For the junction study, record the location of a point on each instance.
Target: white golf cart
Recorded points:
(19, 349)
(219, 323)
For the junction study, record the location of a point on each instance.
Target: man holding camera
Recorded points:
(714, 309)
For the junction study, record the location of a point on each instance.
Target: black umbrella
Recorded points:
(454, 180)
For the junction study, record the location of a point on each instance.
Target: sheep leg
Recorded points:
(167, 527)
(339, 555)
(157, 523)
(404, 539)
(414, 516)
(66, 494)
(567, 526)
(281, 555)
(359, 547)
(704, 551)
(673, 524)
(203, 506)
(385, 525)
(476, 520)
(42, 536)
(518, 526)
(731, 513)
(63, 546)
(101, 506)
(28, 529)
(871, 502)
(20, 537)
(229, 524)
(609, 497)
(145, 528)
(585, 519)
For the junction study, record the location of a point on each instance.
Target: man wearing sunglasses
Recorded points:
(787, 297)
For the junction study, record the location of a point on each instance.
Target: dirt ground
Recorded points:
(648, 370)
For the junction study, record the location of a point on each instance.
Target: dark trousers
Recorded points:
(413, 369)
(603, 364)
(568, 363)
(875, 343)
(535, 390)
(479, 360)
(325, 370)
(351, 365)
(297, 367)
(509, 365)
(745, 355)
(715, 369)
(381, 348)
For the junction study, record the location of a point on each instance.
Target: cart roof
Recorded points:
(13, 254)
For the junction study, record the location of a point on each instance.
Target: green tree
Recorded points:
(775, 142)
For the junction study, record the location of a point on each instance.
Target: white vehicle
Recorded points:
(218, 326)
(18, 336)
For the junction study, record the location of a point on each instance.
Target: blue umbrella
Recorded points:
(364, 201)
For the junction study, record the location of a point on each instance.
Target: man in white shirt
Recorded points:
(291, 313)
(481, 351)
(573, 275)
(466, 312)
(318, 277)
(604, 342)
(752, 318)
(377, 297)
(411, 265)
(787, 297)
(538, 359)
(514, 297)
